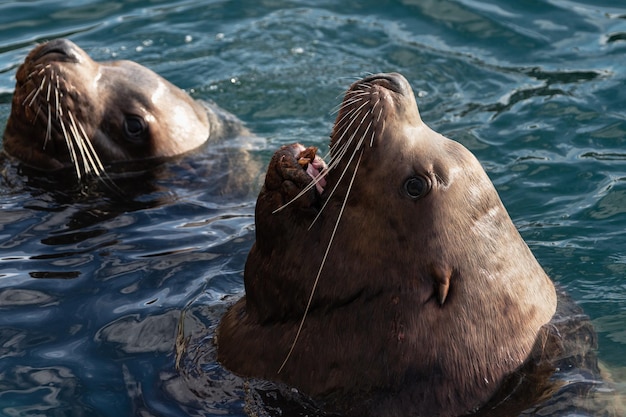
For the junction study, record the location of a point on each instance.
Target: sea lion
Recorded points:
(71, 111)
(400, 286)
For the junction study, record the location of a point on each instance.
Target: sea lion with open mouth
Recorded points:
(392, 282)
(71, 111)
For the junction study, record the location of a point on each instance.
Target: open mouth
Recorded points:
(314, 166)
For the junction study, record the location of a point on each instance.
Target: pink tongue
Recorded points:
(314, 172)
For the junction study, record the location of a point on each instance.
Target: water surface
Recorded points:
(92, 288)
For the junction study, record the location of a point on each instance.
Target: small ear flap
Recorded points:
(441, 276)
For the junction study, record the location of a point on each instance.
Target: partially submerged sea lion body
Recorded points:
(71, 111)
(415, 293)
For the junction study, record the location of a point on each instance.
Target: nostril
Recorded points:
(392, 81)
(62, 48)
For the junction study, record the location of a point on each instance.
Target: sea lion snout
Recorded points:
(60, 50)
(391, 81)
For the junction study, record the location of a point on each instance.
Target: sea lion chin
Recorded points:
(403, 288)
(71, 111)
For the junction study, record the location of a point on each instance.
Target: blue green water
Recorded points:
(91, 290)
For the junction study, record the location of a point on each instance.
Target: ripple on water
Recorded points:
(93, 289)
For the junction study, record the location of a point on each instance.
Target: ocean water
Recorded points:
(92, 289)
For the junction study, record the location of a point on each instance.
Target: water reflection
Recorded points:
(536, 92)
(27, 390)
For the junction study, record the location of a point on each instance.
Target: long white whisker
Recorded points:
(96, 162)
(70, 147)
(348, 119)
(82, 153)
(57, 98)
(356, 112)
(94, 159)
(364, 86)
(367, 130)
(349, 115)
(48, 92)
(48, 128)
(319, 271)
(332, 192)
(341, 149)
(28, 97)
(350, 99)
(346, 130)
(333, 161)
(310, 185)
(85, 158)
(39, 89)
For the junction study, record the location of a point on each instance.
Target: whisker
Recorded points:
(79, 141)
(91, 161)
(351, 99)
(70, 147)
(82, 154)
(96, 163)
(356, 112)
(348, 116)
(353, 118)
(94, 159)
(339, 126)
(29, 96)
(367, 130)
(39, 89)
(34, 121)
(34, 71)
(57, 98)
(48, 128)
(319, 271)
(372, 120)
(347, 102)
(380, 112)
(351, 78)
(48, 92)
(310, 185)
(338, 155)
(364, 86)
(333, 164)
(334, 160)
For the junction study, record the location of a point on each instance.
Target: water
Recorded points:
(91, 289)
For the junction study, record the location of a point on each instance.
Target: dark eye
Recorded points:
(135, 128)
(416, 187)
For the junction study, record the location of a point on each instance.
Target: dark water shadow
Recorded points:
(70, 219)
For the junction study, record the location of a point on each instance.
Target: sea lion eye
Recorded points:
(135, 128)
(416, 187)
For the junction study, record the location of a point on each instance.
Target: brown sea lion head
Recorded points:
(418, 294)
(69, 110)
